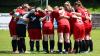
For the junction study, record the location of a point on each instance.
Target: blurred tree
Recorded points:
(5, 4)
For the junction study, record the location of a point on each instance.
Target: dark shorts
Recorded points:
(21, 30)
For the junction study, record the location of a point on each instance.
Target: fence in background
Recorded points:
(5, 19)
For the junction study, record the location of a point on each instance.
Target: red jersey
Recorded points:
(78, 28)
(76, 20)
(63, 23)
(61, 20)
(84, 12)
(48, 21)
(48, 27)
(21, 11)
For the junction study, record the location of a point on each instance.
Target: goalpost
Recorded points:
(45, 1)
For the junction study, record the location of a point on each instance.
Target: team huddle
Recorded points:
(70, 20)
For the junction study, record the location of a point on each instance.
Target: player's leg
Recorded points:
(88, 29)
(67, 42)
(43, 45)
(82, 39)
(70, 47)
(76, 46)
(37, 36)
(51, 36)
(89, 43)
(31, 42)
(12, 30)
(45, 39)
(60, 42)
(88, 39)
(37, 45)
(19, 33)
(76, 39)
(14, 43)
(82, 46)
(22, 35)
(71, 32)
(44, 31)
(19, 45)
(23, 38)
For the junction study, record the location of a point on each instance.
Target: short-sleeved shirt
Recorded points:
(61, 21)
(34, 22)
(48, 20)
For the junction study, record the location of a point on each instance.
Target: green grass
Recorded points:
(94, 10)
(5, 46)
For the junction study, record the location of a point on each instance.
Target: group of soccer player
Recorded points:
(70, 20)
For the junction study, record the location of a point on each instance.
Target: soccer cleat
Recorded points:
(51, 51)
(47, 51)
(86, 52)
(60, 52)
(15, 52)
(31, 50)
(65, 52)
(27, 52)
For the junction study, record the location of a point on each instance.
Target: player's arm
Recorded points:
(64, 16)
(76, 16)
(42, 18)
(26, 17)
(89, 17)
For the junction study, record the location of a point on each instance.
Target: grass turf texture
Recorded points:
(5, 46)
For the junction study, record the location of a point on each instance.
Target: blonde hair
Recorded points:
(49, 8)
(67, 2)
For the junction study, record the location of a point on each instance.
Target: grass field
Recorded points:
(5, 46)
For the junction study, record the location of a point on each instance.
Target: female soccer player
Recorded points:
(34, 27)
(21, 29)
(12, 29)
(78, 32)
(86, 17)
(48, 29)
(88, 29)
(63, 28)
(69, 9)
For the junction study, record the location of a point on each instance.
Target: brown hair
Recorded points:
(79, 4)
(69, 8)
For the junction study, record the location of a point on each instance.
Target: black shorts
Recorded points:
(21, 30)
